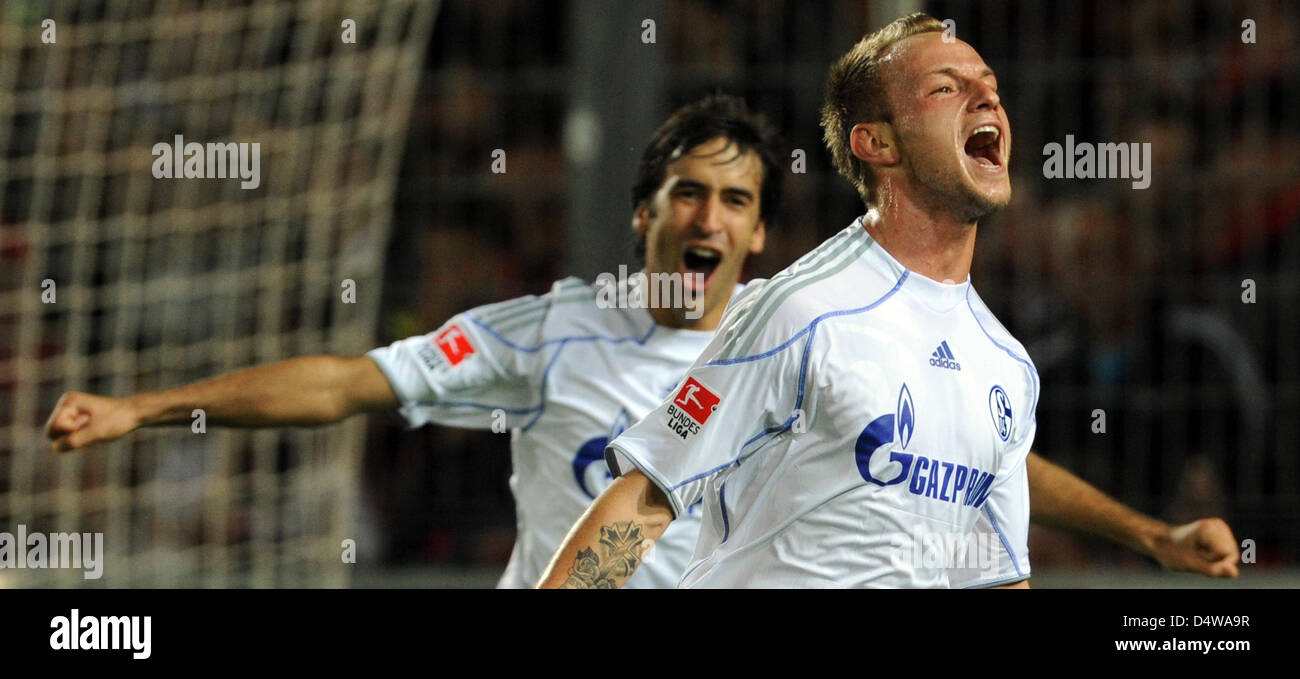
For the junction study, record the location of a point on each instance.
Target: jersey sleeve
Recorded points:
(1002, 529)
(481, 369)
(733, 402)
(1002, 536)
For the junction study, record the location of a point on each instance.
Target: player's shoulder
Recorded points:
(1003, 340)
(829, 280)
(994, 329)
(571, 308)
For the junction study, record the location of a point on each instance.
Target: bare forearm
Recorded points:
(302, 391)
(608, 543)
(1061, 499)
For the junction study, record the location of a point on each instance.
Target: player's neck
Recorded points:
(939, 247)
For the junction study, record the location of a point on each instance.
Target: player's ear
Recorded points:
(874, 143)
(641, 218)
(759, 239)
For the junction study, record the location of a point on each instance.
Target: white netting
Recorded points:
(163, 281)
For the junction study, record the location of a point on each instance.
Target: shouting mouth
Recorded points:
(983, 148)
(699, 259)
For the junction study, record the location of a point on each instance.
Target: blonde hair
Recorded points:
(855, 93)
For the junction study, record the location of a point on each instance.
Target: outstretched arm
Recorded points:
(311, 390)
(1063, 500)
(612, 537)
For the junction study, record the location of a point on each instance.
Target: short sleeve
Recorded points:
(1002, 530)
(480, 368)
(729, 405)
(1002, 537)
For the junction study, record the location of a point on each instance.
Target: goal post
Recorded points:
(188, 188)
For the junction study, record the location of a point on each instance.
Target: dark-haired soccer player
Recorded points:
(570, 369)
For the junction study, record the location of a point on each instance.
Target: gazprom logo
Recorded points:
(905, 417)
(928, 477)
(881, 432)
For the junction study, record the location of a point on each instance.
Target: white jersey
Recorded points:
(565, 377)
(852, 424)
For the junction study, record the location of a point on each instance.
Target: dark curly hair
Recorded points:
(717, 115)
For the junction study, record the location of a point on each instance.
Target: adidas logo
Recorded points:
(943, 358)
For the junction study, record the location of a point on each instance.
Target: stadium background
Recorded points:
(1129, 301)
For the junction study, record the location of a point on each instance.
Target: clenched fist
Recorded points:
(81, 419)
(1206, 546)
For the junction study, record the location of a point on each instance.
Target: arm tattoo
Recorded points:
(621, 547)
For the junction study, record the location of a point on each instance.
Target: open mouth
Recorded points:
(982, 146)
(700, 260)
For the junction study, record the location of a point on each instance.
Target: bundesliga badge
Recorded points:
(454, 344)
(690, 409)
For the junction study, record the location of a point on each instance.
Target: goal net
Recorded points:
(122, 271)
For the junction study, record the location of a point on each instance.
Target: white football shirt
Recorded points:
(852, 424)
(565, 377)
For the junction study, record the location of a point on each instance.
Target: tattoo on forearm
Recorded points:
(621, 547)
